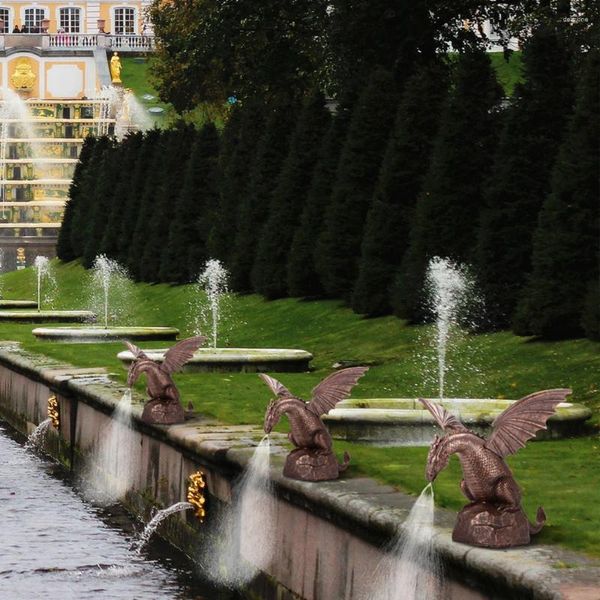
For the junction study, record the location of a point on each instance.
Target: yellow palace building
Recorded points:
(55, 88)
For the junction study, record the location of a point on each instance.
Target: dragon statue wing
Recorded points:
(334, 388)
(521, 421)
(180, 353)
(446, 420)
(276, 386)
(138, 353)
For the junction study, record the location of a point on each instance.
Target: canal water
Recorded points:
(54, 545)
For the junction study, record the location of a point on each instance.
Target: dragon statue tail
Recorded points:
(540, 521)
(344, 465)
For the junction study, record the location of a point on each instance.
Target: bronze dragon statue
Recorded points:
(164, 406)
(494, 518)
(313, 459)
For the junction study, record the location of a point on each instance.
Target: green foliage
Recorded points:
(566, 242)
(400, 181)
(447, 212)
(194, 210)
(339, 243)
(64, 248)
(590, 320)
(520, 180)
(270, 268)
(253, 207)
(302, 277)
(509, 69)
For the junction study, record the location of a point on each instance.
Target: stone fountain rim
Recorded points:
(226, 355)
(88, 333)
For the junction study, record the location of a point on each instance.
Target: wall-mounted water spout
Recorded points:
(54, 412)
(313, 459)
(195, 494)
(494, 517)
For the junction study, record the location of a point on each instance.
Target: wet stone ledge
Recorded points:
(315, 519)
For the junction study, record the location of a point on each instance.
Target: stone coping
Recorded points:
(364, 506)
(105, 334)
(235, 359)
(8, 304)
(42, 316)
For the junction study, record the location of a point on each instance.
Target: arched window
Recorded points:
(70, 19)
(33, 19)
(5, 16)
(124, 22)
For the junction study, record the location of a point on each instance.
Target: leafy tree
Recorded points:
(591, 311)
(447, 211)
(338, 247)
(234, 180)
(302, 276)
(269, 271)
(270, 154)
(520, 179)
(566, 242)
(400, 181)
(186, 250)
(64, 248)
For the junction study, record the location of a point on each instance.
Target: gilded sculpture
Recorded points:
(23, 79)
(115, 68)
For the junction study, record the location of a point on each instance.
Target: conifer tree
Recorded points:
(186, 249)
(447, 211)
(338, 247)
(235, 179)
(590, 320)
(87, 182)
(302, 276)
(566, 242)
(253, 209)
(269, 274)
(132, 195)
(127, 151)
(173, 167)
(64, 248)
(521, 174)
(399, 184)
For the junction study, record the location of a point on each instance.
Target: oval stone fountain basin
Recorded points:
(246, 360)
(44, 316)
(404, 422)
(104, 334)
(12, 304)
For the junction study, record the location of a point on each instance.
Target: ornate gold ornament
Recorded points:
(195, 494)
(53, 412)
(115, 68)
(23, 79)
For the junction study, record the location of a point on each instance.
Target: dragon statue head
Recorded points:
(138, 366)
(272, 416)
(437, 459)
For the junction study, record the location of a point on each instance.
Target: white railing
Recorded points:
(131, 43)
(70, 41)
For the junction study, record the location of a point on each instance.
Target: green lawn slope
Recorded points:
(563, 476)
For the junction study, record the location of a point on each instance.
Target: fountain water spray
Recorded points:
(411, 569)
(36, 438)
(42, 269)
(108, 275)
(244, 542)
(213, 280)
(156, 520)
(448, 287)
(115, 458)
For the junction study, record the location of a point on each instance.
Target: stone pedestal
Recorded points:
(310, 465)
(482, 524)
(163, 413)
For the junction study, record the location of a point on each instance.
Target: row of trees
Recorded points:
(297, 201)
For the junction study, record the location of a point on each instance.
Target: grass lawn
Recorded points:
(563, 476)
(509, 72)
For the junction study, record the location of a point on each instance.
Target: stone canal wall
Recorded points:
(328, 534)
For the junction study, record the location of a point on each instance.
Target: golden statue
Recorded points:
(115, 68)
(23, 78)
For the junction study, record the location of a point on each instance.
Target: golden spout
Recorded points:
(53, 412)
(195, 494)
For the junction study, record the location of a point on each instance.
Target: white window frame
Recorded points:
(42, 9)
(8, 23)
(114, 12)
(59, 12)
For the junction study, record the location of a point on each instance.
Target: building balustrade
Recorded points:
(78, 41)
